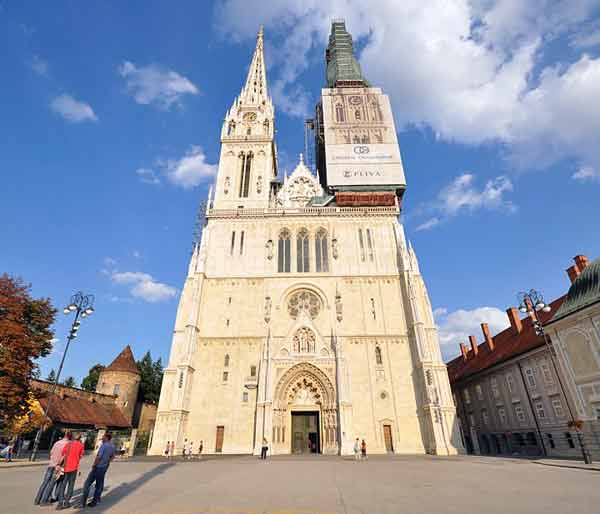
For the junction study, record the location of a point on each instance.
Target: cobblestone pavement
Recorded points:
(320, 485)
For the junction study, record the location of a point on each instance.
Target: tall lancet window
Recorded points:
(339, 113)
(266, 127)
(302, 258)
(246, 166)
(284, 251)
(321, 255)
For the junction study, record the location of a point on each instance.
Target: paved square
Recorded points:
(321, 484)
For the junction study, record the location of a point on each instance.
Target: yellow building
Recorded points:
(304, 319)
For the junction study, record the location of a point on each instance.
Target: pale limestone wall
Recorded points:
(129, 384)
(223, 309)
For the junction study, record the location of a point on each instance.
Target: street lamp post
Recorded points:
(83, 306)
(531, 302)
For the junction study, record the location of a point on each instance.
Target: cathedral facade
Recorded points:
(304, 319)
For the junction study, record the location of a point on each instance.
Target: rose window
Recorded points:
(304, 301)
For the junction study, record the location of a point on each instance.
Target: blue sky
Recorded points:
(110, 121)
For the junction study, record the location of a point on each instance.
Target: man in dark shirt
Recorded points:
(105, 455)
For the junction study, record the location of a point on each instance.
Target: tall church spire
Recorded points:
(255, 90)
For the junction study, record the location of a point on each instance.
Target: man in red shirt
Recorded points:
(71, 455)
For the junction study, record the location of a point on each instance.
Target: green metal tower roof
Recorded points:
(584, 292)
(342, 67)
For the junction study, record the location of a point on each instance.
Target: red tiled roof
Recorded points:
(79, 411)
(507, 344)
(124, 362)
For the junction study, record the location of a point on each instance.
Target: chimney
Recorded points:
(488, 338)
(573, 273)
(464, 351)
(581, 262)
(473, 341)
(515, 319)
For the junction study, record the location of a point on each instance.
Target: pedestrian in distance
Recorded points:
(105, 455)
(264, 449)
(172, 450)
(190, 452)
(357, 449)
(200, 448)
(69, 464)
(52, 478)
(363, 450)
(185, 447)
(168, 449)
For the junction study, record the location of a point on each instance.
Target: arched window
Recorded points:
(339, 113)
(284, 251)
(378, 357)
(357, 114)
(246, 166)
(370, 244)
(365, 139)
(266, 126)
(231, 128)
(248, 131)
(252, 371)
(226, 361)
(304, 341)
(302, 258)
(321, 255)
(356, 139)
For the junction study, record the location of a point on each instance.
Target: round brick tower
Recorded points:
(121, 379)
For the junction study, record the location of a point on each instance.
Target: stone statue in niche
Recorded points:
(269, 247)
(227, 185)
(338, 307)
(259, 184)
(334, 247)
(267, 309)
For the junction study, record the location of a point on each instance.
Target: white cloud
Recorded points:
(153, 85)
(189, 170)
(462, 195)
(428, 225)
(475, 71)
(456, 327)
(147, 176)
(137, 254)
(586, 174)
(39, 65)
(144, 286)
(72, 110)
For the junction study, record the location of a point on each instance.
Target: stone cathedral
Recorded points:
(304, 318)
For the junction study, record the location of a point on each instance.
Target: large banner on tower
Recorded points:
(361, 147)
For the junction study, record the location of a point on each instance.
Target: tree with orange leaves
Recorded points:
(25, 335)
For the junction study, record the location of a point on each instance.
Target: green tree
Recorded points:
(90, 382)
(51, 376)
(25, 335)
(70, 382)
(151, 373)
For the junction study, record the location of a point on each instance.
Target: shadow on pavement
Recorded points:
(113, 495)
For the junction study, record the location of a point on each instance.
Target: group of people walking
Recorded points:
(62, 471)
(360, 449)
(187, 450)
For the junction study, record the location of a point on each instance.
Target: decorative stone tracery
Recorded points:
(306, 302)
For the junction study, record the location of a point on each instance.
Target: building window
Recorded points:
(361, 242)
(180, 379)
(519, 439)
(245, 397)
(559, 412)
(539, 409)
(339, 113)
(531, 440)
(479, 392)
(357, 114)
(546, 373)
(529, 374)
(246, 166)
(378, 358)
(232, 243)
(302, 257)
(429, 377)
(373, 312)
(226, 361)
(283, 251)
(502, 415)
(242, 242)
(321, 254)
(370, 244)
(485, 418)
(117, 389)
(231, 128)
(252, 371)
(569, 439)
(466, 396)
(510, 382)
(494, 386)
(520, 413)
(225, 376)
(551, 442)
(304, 341)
